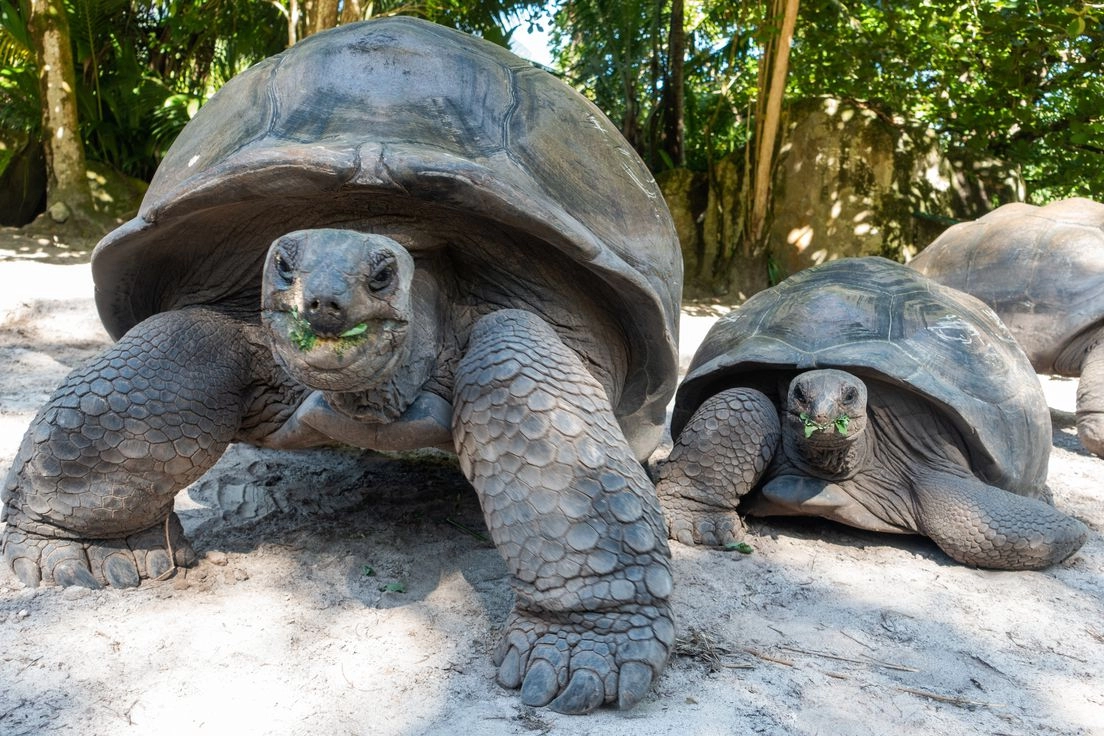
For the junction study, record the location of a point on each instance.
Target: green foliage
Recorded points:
(19, 108)
(1007, 80)
(811, 425)
(1002, 79)
(355, 331)
(484, 18)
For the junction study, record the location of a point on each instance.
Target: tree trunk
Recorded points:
(321, 14)
(67, 190)
(351, 12)
(768, 119)
(673, 88)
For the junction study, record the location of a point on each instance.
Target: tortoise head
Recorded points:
(824, 422)
(337, 307)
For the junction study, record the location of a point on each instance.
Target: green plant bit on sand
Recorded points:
(742, 547)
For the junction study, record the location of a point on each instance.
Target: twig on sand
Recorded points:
(864, 660)
(952, 699)
(769, 658)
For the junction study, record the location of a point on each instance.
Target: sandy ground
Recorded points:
(344, 593)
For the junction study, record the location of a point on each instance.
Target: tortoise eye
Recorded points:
(799, 394)
(382, 278)
(850, 394)
(283, 268)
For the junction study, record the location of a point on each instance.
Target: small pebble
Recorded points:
(215, 557)
(74, 592)
(23, 613)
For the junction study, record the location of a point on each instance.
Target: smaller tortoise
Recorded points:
(1041, 269)
(862, 392)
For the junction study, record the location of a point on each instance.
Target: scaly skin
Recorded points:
(719, 456)
(984, 526)
(573, 514)
(1090, 399)
(89, 498)
(569, 506)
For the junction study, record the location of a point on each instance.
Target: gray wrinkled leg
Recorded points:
(1090, 402)
(718, 457)
(572, 512)
(985, 526)
(89, 498)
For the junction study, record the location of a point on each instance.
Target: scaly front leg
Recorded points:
(718, 457)
(572, 512)
(89, 498)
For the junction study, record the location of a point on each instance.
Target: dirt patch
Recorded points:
(342, 592)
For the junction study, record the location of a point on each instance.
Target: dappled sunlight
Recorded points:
(800, 237)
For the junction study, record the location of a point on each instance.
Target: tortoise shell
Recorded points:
(400, 125)
(884, 321)
(1040, 268)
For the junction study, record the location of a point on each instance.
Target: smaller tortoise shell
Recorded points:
(882, 320)
(1040, 268)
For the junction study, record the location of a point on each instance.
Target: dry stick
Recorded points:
(953, 700)
(172, 556)
(867, 660)
(860, 643)
(768, 658)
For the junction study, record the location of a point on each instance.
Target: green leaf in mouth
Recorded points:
(811, 426)
(301, 335)
(354, 331)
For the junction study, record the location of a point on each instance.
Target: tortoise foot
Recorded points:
(95, 563)
(718, 457)
(583, 660)
(698, 523)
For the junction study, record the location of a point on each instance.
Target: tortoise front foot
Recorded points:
(718, 457)
(586, 659)
(94, 563)
(573, 514)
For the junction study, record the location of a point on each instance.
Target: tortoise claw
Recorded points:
(584, 693)
(72, 573)
(633, 683)
(541, 684)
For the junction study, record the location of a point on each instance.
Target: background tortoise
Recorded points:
(905, 407)
(1041, 269)
(452, 248)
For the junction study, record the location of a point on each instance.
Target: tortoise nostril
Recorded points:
(331, 307)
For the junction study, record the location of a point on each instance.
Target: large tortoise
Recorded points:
(1041, 269)
(453, 249)
(862, 392)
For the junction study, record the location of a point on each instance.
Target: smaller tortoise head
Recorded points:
(337, 306)
(824, 422)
